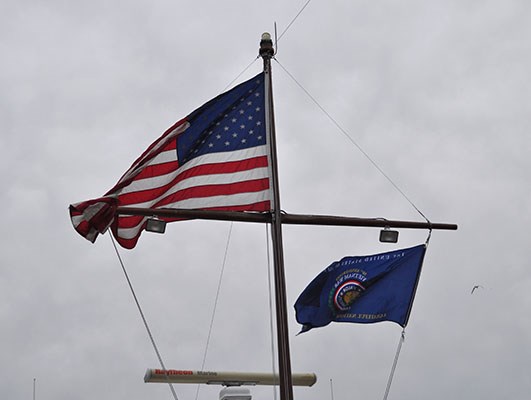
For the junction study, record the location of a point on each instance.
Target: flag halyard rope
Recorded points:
(393, 368)
(146, 325)
(229, 235)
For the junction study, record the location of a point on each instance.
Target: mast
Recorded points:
(286, 385)
(276, 218)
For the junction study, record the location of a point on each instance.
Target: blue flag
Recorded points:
(363, 289)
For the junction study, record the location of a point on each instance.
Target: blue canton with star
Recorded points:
(234, 120)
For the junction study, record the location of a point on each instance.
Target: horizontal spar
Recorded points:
(330, 220)
(291, 219)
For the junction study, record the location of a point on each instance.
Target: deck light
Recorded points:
(155, 225)
(388, 236)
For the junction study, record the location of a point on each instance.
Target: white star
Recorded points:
(234, 120)
(258, 123)
(257, 109)
(234, 134)
(242, 126)
(250, 117)
(226, 128)
(218, 136)
(251, 132)
(210, 145)
(241, 111)
(227, 143)
(244, 140)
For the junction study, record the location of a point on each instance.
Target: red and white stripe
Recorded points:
(235, 180)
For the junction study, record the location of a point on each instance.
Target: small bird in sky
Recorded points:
(476, 287)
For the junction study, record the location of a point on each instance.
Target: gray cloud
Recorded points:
(437, 93)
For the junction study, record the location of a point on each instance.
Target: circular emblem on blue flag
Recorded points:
(346, 294)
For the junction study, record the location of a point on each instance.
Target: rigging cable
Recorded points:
(353, 141)
(293, 20)
(142, 315)
(241, 73)
(276, 45)
(215, 303)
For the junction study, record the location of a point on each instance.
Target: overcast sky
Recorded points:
(437, 93)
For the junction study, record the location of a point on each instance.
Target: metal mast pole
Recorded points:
(284, 362)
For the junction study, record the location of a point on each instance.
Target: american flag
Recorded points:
(216, 158)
